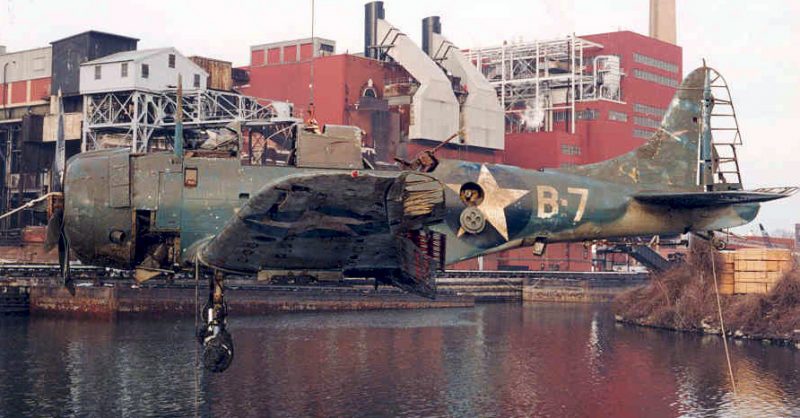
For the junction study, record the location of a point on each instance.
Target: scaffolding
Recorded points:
(539, 82)
(144, 121)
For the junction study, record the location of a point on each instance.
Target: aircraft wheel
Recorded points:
(718, 244)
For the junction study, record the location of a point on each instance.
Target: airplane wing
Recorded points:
(715, 198)
(362, 224)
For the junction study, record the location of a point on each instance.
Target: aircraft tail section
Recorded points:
(670, 158)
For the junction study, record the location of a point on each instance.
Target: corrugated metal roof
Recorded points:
(129, 56)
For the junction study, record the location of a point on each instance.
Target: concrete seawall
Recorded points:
(540, 286)
(99, 295)
(124, 300)
(584, 290)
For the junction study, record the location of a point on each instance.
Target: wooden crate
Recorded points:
(753, 270)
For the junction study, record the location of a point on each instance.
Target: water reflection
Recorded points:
(496, 360)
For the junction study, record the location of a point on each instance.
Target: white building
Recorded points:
(150, 70)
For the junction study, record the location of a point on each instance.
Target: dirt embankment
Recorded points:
(683, 299)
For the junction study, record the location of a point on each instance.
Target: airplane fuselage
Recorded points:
(118, 206)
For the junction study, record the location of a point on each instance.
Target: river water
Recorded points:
(493, 360)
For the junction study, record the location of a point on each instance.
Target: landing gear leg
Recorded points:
(718, 243)
(217, 342)
(715, 240)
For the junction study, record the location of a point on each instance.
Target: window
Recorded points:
(642, 133)
(190, 177)
(559, 116)
(326, 49)
(123, 70)
(171, 60)
(369, 92)
(98, 72)
(587, 114)
(145, 71)
(197, 80)
(617, 116)
(642, 121)
(649, 110)
(654, 62)
(568, 149)
(658, 79)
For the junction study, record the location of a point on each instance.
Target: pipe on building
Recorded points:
(372, 12)
(430, 25)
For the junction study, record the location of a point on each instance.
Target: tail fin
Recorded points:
(669, 159)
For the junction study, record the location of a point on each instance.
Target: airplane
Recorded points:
(183, 209)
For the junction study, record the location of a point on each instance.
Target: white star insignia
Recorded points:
(495, 200)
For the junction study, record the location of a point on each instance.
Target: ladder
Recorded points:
(725, 135)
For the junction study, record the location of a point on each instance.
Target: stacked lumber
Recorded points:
(753, 270)
(725, 279)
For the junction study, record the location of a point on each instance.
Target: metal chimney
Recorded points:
(372, 12)
(662, 20)
(430, 25)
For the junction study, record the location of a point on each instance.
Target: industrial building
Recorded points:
(109, 91)
(540, 104)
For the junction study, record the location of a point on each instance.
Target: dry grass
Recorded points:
(683, 298)
(774, 315)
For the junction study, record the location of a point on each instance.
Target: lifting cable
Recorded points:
(722, 322)
(29, 204)
(196, 328)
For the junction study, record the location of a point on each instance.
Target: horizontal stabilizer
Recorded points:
(719, 198)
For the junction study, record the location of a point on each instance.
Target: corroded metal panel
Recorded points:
(147, 171)
(119, 180)
(170, 188)
(339, 148)
(215, 197)
(357, 223)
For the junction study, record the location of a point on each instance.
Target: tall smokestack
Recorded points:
(372, 12)
(662, 20)
(430, 25)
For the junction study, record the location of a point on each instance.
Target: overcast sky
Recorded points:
(751, 43)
